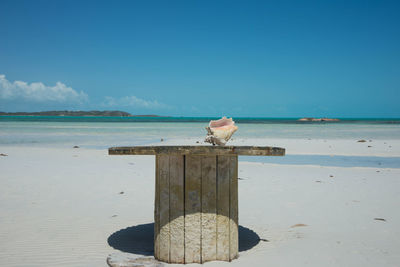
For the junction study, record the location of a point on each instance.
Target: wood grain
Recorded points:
(198, 150)
(223, 184)
(164, 208)
(192, 209)
(209, 208)
(177, 220)
(233, 210)
(196, 208)
(157, 210)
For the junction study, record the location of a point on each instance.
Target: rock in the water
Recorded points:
(317, 119)
(132, 260)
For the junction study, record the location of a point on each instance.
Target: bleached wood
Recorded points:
(192, 209)
(177, 221)
(209, 208)
(157, 210)
(199, 150)
(223, 232)
(164, 208)
(234, 218)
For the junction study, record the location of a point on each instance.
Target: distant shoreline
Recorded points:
(67, 113)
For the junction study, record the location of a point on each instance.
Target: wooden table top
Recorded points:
(199, 150)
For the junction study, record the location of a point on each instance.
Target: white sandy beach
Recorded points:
(59, 206)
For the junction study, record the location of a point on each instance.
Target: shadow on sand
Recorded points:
(139, 239)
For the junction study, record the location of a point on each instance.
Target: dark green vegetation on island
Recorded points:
(94, 113)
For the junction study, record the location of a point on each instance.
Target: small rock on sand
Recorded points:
(130, 260)
(298, 225)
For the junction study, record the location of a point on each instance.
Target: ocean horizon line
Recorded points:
(146, 118)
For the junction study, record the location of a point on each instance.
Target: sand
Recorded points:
(62, 206)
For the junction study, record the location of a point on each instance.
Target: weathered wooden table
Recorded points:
(196, 199)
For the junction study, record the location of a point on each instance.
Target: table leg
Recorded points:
(196, 208)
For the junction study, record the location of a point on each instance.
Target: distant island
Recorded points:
(317, 119)
(94, 113)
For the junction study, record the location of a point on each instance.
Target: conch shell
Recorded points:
(220, 131)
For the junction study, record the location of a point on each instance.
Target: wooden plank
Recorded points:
(234, 218)
(177, 220)
(223, 232)
(164, 208)
(157, 211)
(192, 209)
(199, 150)
(209, 208)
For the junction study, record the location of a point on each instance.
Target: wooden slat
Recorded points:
(209, 208)
(177, 220)
(157, 210)
(233, 222)
(199, 150)
(192, 209)
(164, 208)
(223, 184)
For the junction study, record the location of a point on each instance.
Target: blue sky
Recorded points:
(202, 58)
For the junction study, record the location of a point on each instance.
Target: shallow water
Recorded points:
(331, 161)
(95, 134)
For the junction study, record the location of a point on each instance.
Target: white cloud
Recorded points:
(132, 101)
(39, 92)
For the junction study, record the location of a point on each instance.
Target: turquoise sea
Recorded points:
(103, 132)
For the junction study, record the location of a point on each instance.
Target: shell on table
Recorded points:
(220, 131)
